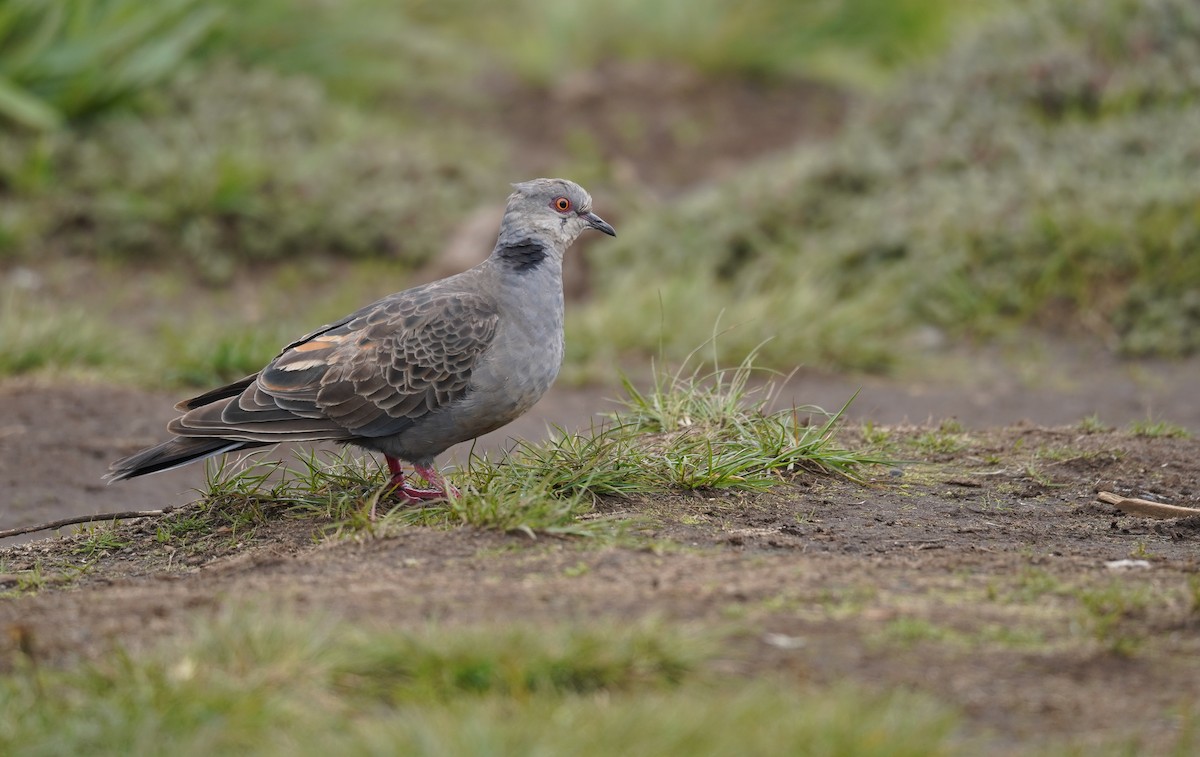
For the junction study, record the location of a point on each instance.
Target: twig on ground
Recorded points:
(1146, 508)
(85, 519)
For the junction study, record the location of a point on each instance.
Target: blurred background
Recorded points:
(862, 187)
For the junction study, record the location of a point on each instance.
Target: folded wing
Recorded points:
(373, 374)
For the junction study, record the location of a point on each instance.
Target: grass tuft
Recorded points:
(715, 429)
(1153, 429)
(99, 540)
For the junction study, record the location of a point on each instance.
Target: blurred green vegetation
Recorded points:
(1043, 172)
(255, 681)
(433, 46)
(260, 131)
(69, 60)
(229, 164)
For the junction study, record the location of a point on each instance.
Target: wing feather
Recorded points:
(371, 374)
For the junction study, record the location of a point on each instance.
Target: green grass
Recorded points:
(972, 200)
(68, 60)
(435, 48)
(1092, 424)
(36, 336)
(1158, 429)
(362, 129)
(1111, 615)
(759, 37)
(947, 439)
(98, 540)
(247, 681)
(181, 528)
(159, 328)
(206, 357)
(29, 581)
(192, 180)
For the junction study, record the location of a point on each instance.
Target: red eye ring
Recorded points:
(561, 204)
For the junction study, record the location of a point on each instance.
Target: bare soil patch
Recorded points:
(663, 125)
(984, 575)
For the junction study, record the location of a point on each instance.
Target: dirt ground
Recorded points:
(983, 574)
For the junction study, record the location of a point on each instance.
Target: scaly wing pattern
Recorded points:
(373, 374)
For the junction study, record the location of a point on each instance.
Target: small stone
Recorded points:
(1121, 565)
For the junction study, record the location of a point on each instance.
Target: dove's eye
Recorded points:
(561, 204)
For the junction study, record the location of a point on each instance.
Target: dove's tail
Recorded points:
(172, 454)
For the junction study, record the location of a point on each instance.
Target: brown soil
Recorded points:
(662, 126)
(964, 576)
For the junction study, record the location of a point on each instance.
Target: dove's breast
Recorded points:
(510, 376)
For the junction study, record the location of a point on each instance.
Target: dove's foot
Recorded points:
(441, 489)
(400, 489)
(403, 490)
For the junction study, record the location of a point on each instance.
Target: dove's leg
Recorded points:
(404, 490)
(399, 488)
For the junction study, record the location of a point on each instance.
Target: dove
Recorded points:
(415, 372)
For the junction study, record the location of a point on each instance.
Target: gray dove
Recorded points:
(415, 372)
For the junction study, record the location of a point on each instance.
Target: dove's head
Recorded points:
(553, 210)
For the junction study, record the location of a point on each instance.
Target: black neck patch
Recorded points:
(523, 255)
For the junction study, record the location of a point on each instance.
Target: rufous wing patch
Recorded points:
(323, 342)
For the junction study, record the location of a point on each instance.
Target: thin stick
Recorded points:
(1146, 508)
(86, 519)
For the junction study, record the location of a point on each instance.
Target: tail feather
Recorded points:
(229, 390)
(172, 454)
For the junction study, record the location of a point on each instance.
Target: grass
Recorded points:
(67, 61)
(761, 37)
(1110, 614)
(28, 581)
(203, 186)
(433, 48)
(160, 328)
(362, 129)
(98, 540)
(260, 676)
(1092, 424)
(38, 337)
(249, 680)
(1153, 429)
(947, 439)
(971, 201)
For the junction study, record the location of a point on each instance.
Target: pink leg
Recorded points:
(395, 469)
(405, 492)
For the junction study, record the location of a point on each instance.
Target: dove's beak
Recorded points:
(598, 223)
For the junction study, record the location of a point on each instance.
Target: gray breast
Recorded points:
(510, 377)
